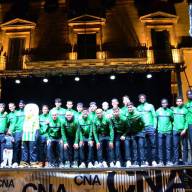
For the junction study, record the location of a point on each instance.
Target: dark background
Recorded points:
(97, 88)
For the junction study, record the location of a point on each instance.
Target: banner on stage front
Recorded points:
(96, 181)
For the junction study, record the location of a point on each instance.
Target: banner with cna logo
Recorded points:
(105, 180)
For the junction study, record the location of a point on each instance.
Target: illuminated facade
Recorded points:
(53, 37)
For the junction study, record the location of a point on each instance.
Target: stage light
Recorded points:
(77, 78)
(112, 77)
(45, 80)
(17, 81)
(149, 76)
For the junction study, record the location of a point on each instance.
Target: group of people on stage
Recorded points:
(97, 137)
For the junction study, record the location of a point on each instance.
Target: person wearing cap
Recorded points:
(188, 105)
(165, 131)
(119, 123)
(180, 126)
(92, 109)
(149, 116)
(43, 134)
(86, 139)
(135, 135)
(70, 134)
(18, 134)
(60, 111)
(53, 131)
(3, 128)
(104, 137)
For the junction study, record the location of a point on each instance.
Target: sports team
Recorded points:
(94, 137)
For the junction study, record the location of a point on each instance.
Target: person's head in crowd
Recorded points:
(115, 103)
(69, 115)
(164, 103)
(2, 107)
(79, 107)
(45, 109)
(11, 106)
(142, 98)
(105, 106)
(58, 102)
(99, 113)
(116, 112)
(130, 107)
(54, 115)
(179, 101)
(126, 100)
(69, 104)
(21, 104)
(189, 94)
(85, 113)
(92, 106)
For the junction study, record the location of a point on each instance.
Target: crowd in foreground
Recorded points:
(96, 137)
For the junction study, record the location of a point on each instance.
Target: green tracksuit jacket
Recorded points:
(43, 124)
(3, 122)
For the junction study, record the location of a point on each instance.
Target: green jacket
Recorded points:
(43, 124)
(85, 128)
(180, 118)
(148, 112)
(70, 129)
(124, 110)
(54, 128)
(188, 106)
(12, 120)
(102, 126)
(20, 119)
(135, 122)
(164, 120)
(119, 124)
(60, 111)
(92, 115)
(3, 122)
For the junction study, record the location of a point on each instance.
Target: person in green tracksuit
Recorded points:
(164, 128)
(92, 109)
(54, 140)
(188, 106)
(180, 126)
(12, 118)
(106, 111)
(135, 134)
(104, 137)
(150, 120)
(79, 108)
(70, 134)
(60, 111)
(86, 139)
(17, 133)
(3, 128)
(119, 123)
(126, 101)
(115, 104)
(42, 140)
(69, 106)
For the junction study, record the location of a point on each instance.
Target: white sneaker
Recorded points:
(154, 163)
(75, 164)
(90, 165)
(111, 164)
(128, 164)
(118, 164)
(3, 164)
(144, 164)
(100, 165)
(104, 164)
(82, 165)
(96, 164)
(67, 164)
(15, 165)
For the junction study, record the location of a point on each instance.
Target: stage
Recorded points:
(174, 178)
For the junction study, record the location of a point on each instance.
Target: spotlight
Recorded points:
(77, 78)
(149, 76)
(112, 77)
(17, 81)
(45, 80)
